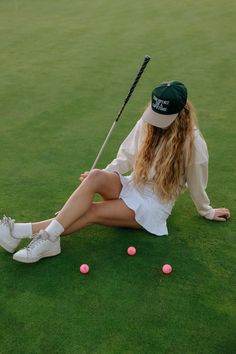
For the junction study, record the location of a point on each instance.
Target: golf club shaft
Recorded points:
(103, 145)
(141, 70)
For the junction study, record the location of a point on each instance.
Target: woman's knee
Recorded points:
(105, 183)
(96, 177)
(96, 173)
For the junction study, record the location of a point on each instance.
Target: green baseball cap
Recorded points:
(168, 99)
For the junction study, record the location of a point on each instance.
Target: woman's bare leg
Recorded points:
(108, 213)
(78, 212)
(105, 183)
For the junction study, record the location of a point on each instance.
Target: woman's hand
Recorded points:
(221, 214)
(83, 175)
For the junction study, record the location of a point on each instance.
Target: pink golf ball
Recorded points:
(131, 251)
(84, 269)
(166, 269)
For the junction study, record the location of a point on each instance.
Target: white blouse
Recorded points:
(196, 172)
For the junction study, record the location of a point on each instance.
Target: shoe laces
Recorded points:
(8, 222)
(37, 239)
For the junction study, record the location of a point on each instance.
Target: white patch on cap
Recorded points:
(159, 104)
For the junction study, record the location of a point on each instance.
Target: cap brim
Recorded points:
(158, 120)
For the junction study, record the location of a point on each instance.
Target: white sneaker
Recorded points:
(40, 247)
(7, 240)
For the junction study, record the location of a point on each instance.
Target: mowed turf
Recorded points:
(65, 68)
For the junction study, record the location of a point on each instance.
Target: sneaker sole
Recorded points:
(34, 260)
(7, 247)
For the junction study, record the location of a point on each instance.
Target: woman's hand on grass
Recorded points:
(221, 214)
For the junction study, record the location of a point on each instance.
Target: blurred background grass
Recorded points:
(65, 68)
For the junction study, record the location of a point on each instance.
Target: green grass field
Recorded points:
(65, 68)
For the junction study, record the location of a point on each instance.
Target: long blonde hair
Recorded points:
(164, 150)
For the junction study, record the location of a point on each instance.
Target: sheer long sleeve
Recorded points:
(197, 178)
(125, 158)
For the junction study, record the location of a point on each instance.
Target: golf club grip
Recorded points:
(145, 62)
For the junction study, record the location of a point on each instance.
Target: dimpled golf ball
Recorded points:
(84, 269)
(131, 251)
(166, 269)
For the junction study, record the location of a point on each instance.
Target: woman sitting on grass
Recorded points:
(165, 152)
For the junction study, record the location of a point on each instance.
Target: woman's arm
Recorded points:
(125, 158)
(197, 177)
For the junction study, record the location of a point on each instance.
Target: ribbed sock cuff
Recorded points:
(54, 229)
(22, 230)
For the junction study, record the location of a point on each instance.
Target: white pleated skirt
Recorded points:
(150, 212)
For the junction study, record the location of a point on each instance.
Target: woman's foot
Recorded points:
(7, 240)
(41, 246)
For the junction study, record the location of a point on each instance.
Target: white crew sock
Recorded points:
(22, 230)
(54, 229)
